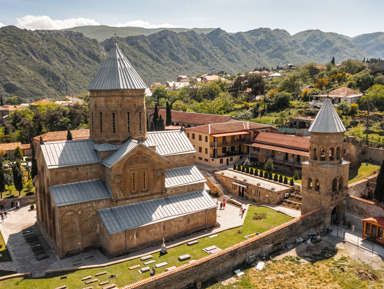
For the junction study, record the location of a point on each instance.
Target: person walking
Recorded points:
(221, 205)
(224, 205)
(241, 210)
(5, 214)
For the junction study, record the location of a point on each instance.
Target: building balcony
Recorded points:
(228, 143)
(227, 154)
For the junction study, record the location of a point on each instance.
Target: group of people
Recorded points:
(3, 215)
(222, 205)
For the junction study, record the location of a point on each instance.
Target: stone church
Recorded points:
(124, 188)
(325, 175)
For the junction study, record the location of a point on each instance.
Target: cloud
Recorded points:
(32, 22)
(144, 24)
(1, 24)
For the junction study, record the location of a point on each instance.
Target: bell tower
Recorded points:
(325, 175)
(117, 101)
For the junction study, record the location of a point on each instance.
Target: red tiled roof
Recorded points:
(62, 135)
(41, 102)
(280, 149)
(229, 127)
(10, 146)
(376, 220)
(283, 140)
(195, 118)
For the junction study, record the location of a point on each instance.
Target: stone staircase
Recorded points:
(211, 178)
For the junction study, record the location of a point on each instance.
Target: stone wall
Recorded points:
(372, 155)
(152, 234)
(225, 260)
(361, 188)
(24, 201)
(363, 208)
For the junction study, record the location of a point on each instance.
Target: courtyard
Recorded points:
(120, 272)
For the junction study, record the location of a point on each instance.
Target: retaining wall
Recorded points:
(360, 188)
(26, 200)
(225, 260)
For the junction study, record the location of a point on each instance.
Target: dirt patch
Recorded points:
(365, 275)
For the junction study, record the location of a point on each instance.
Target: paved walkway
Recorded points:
(342, 232)
(24, 260)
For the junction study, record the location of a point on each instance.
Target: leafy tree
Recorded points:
(18, 153)
(353, 109)
(1, 101)
(352, 66)
(69, 135)
(34, 162)
(379, 189)
(291, 84)
(2, 180)
(168, 120)
(17, 176)
(160, 92)
(365, 81)
(29, 186)
(296, 175)
(374, 96)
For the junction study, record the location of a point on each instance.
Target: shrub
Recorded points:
(32, 207)
(234, 167)
(280, 179)
(291, 182)
(275, 178)
(256, 172)
(285, 180)
(261, 173)
(247, 170)
(214, 194)
(296, 175)
(270, 175)
(259, 216)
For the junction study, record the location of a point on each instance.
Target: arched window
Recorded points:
(341, 183)
(101, 121)
(128, 122)
(309, 184)
(314, 157)
(322, 154)
(334, 185)
(145, 180)
(338, 153)
(93, 128)
(113, 122)
(331, 154)
(133, 182)
(140, 122)
(317, 185)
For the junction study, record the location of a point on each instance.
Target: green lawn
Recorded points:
(365, 170)
(125, 276)
(5, 257)
(11, 191)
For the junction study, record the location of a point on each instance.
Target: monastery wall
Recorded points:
(182, 160)
(73, 174)
(184, 189)
(227, 259)
(361, 188)
(153, 234)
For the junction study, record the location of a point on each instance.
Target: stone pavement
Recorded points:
(355, 238)
(24, 260)
(288, 211)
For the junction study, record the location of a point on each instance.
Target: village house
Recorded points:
(124, 188)
(9, 148)
(300, 122)
(338, 95)
(222, 144)
(207, 78)
(286, 151)
(60, 136)
(183, 78)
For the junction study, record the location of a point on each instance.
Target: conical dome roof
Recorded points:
(116, 73)
(327, 120)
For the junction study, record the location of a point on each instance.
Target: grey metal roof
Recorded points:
(121, 152)
(169, 142)
(122, 218)
(182, 176)
(80, 192)
(69, 153)
(106, 147)
(116, 72)
(327, 120)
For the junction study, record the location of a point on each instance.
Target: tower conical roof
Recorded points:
(116, 73)
(327, 120)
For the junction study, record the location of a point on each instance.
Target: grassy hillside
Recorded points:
(372, 44)
(37, 64)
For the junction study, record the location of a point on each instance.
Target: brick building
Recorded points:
(123, 188)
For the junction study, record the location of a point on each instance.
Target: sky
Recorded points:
(348, 17)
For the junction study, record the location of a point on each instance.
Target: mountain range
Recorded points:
(36, 64)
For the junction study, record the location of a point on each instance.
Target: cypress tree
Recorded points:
(160, 124)
(1, 101)
(270, 175)
(2, 180)
(280, 179)
(275, 178)
(34, 162)
(379, 189)
(285, 180)
(17, 177)
(155, 118)
(234, 167)
(292, 183)
(168, 120)
(261, 173)
(333, 60)
(69, 135)
(256, 172)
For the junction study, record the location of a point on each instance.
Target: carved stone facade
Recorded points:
(120, 190)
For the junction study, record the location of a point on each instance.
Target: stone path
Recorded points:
(24, 260)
